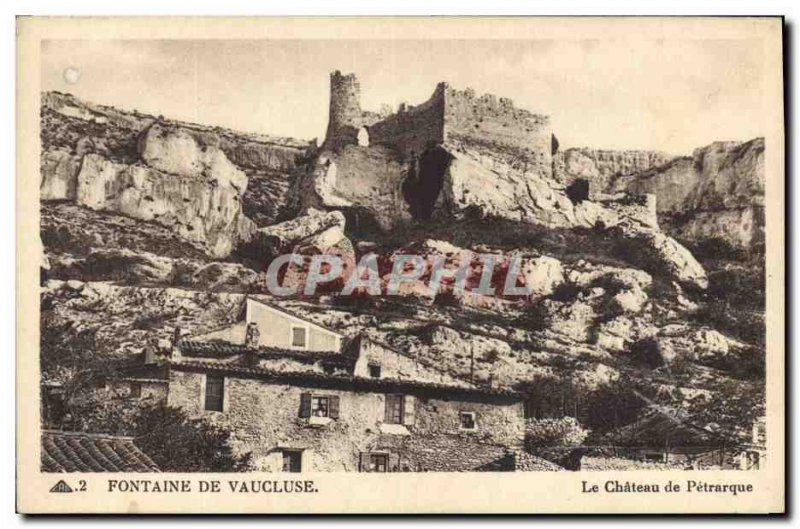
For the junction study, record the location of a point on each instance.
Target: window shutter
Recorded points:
(305, 405)
(333, 412)
(363, 462)
(388, 411)
(409, 414)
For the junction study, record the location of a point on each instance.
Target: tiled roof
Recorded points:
(83, 452)
(223, 349)
(349, 381)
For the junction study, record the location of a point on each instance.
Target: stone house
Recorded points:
(301, 397)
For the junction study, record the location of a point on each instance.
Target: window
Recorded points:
(135, 390)
(319, 406)
(378, 463)
(299, 337)
(375, 371)
(394, 409)
(215, 387)
(292, 460)
(467, 420)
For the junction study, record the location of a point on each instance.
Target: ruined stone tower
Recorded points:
(344, 116)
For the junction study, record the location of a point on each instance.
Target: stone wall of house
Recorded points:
(122, 389)
(264, 418)
(395, 365)
(452, 453)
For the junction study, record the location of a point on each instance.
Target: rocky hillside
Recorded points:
(149, 224)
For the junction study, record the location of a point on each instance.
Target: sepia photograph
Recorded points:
(538, 256)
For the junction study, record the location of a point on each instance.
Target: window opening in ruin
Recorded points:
(378, 463)
(467, 419)
(375, 371)
(363, 137)
(319, 406)
(424, 182)
(299, 335)
(215, 387)
(292, 460)
(394, 409)
(578, 191)
(136, 390)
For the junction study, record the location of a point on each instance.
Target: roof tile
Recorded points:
(83, 452)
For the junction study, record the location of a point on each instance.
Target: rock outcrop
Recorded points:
(601, 167)
(59, 170)
(203, 208)
(718, 192)
(173, 161)
(316, 228)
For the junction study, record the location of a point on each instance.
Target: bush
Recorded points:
(547, 433)
(179, 443)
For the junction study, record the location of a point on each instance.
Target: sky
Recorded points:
(668, 95)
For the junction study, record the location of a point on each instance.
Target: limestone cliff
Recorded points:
(718, 192)
(601, 167)
(202, 181)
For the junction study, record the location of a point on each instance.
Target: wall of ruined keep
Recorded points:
(490, 123)
(413, 129)
(264, 418)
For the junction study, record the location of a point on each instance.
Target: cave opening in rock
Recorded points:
(424, 182)
(578, 191)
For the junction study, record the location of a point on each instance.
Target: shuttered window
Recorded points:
(215, 388)
(319, 405)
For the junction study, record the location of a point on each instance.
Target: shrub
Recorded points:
(547, 433)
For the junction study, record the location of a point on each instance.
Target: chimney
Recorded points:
(252, 335)
(177, 334)
(150, 352)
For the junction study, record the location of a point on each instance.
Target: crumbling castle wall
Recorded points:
(413, 129)
(490, 123)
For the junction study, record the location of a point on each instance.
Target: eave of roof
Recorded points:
(350, 381)
(225, 349)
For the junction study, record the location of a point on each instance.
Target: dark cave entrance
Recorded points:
(578, 191)
(424, 182)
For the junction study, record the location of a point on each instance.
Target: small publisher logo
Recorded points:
(61, 486)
